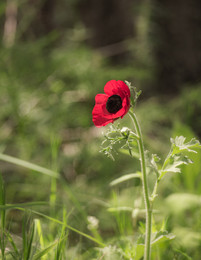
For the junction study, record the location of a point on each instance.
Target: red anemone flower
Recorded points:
(113, 104)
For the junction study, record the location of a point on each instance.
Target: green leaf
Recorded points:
(151, 161)
(139, 251)
(161, 236)
(125, 178)
(115, 136)
(179, 145)
(174, 164)
(134, 92)
(177, 155)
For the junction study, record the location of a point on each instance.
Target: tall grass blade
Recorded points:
(14, 246)
(2, 201)
(46, 250)
(30, 241)
(23, 205)
(61, 245)
(24, 237)
(55, 143)
(39, 231)
(28, 165)
(3, 212)
(126, 177)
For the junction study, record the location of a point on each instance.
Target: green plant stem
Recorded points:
(147, 251)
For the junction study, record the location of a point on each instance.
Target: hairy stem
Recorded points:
(147, 251)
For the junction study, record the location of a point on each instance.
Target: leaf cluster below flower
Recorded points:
(114, 136)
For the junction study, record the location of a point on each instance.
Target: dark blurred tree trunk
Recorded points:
(110, 23)
(38, 18)
(10, 24)
(43, 23)
(177, 43)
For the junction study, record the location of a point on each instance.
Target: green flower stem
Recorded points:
(147, 251)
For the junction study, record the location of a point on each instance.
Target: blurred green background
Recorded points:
(55, 56)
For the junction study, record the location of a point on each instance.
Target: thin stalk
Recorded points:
(147, 250)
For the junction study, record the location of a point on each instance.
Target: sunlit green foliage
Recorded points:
(62, 199)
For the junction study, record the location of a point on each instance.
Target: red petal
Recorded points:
(111, 88)
(97, 110)
(126, 106)
(114, 87)
(98, 116)
(101, 121)
(101, 98)
(124, 87)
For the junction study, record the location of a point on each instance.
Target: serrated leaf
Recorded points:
(174, 164)
(177, 156)
(155, 158)
(178, 145)
(161, 236)
(152, 160)
(126, 178)
(139, 251)
(134, 91)
(116, 136)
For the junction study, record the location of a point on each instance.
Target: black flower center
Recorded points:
(114, 104)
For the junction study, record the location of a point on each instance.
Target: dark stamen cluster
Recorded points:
(114, 104)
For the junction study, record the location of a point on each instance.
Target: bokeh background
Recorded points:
(55, 56)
